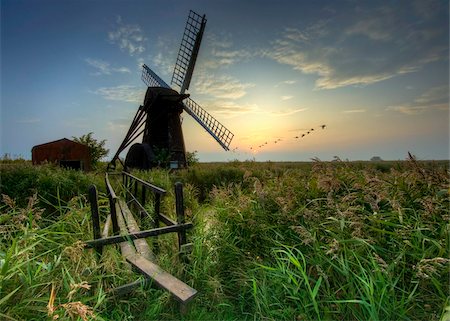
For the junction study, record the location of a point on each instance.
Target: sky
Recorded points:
(375, 73)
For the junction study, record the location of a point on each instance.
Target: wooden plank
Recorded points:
(180, 290)
(127, 288)
(138, 235)
(154, 188)
(141, 245)
(105, 232)
(166, 220)
(126, 247)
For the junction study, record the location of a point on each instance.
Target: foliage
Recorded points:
(162, 156)
(274, 241)
(52, 183)
(192, 158)
(96, 148)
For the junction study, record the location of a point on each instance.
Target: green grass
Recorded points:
(272, 241)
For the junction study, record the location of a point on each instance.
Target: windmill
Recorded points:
(158, 119)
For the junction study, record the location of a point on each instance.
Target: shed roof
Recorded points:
(59, 141)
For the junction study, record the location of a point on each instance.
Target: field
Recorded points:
(272, 241)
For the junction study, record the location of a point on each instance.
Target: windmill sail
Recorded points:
(151, 79)
(187, 55)
(218, 131)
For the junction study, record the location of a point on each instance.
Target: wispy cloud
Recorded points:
(128, 37)
(119, 123)
(233, 108)
(29, 121)
(289, 82)
(221, 52)
(352, 111)
(77, 122)
(287, 112)
(104, 68)
(125, 93)
(436, 98)
(286, 97)
(230, 108)
(221, 87)
(285, 82)
(380, 43)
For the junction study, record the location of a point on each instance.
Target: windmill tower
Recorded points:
(158, 119)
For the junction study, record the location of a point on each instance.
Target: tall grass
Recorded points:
(317, 241)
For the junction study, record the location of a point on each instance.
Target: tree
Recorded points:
(96, 148)
(192, 158)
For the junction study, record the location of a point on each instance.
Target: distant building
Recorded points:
(64, 152)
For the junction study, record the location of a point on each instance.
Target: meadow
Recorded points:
(271, 241)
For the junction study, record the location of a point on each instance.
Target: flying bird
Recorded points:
(323, 126)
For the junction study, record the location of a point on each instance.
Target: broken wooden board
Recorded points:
(127, 246)
(141, 245)
(180, 290)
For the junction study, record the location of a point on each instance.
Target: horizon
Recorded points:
(376, 74)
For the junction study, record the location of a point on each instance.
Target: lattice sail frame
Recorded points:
(151, 79)
(187, 54)
(218, 131)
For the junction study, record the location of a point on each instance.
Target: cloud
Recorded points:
(230, 108)
(164, 64)
(285, 82)
(287, 112)
(435, 98)
(125, 93)
(119, 123)
(224, 58)
(363, 45)
(104, 68)
(221, 52)
(286, 97)
(77, 122)
(129, 38)
(352, 111)
(221, 87)
(233, 108)
(29, 121)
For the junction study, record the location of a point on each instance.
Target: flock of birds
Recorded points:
(268, 142)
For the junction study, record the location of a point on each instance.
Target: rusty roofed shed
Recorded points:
(64, 152)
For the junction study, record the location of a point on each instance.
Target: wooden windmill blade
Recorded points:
(151, 79)
(218, 131)
(188, 52)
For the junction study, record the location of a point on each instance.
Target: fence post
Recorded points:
(95, 217)
(179, 207)
(156, 220)
(142, 200)
(135, 194)
(112, 206)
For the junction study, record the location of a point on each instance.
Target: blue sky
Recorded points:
(376, 73)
